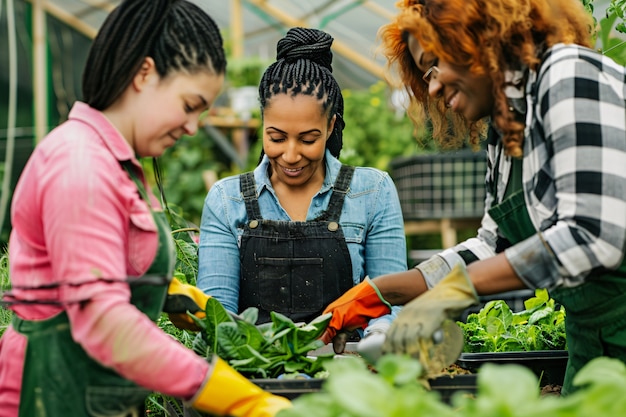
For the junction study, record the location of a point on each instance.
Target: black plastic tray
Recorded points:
(548, 365)
(445, 385)
(290, 388)
(448, 385)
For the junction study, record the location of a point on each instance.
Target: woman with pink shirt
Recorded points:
(91, 254)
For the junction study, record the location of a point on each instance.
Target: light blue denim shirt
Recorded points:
(371, 220)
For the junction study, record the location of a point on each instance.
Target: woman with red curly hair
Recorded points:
(555, 213)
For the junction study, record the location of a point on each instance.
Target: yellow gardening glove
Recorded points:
(228, 393)
(183, 298)
(424, 321)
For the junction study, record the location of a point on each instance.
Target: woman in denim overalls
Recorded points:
(302, 228)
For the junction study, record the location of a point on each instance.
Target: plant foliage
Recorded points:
(495, 328)
(260, 351)
(6, 315)
(352, 390)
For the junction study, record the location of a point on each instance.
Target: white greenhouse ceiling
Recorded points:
(260, 23)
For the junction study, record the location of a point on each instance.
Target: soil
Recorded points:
(455, 369)
(551, 390)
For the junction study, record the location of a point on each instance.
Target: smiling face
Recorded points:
(295, 131)
(159, 111)
(463, 92)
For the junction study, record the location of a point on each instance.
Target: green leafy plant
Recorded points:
(245, 71)
(6, 315)
(610, 45)
(495, 328)
(376, 132)
(352, 390)
(617, 8)
(266, 350)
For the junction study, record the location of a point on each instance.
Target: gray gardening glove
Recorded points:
(424, 328)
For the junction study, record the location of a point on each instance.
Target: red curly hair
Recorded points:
(486, 36)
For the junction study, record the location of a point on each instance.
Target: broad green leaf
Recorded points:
(255, 354)
(241, 363)
(399, 369)
(602, 370)
(540, 298)
(313, 405)
(281, 321)
(280, 335)
(252, 336)
(187, 260)
(215, 315)
(231, 343)
(305, 335)
(250, 315)
(266, 329)
(496, 325)
(507, 388)
(540, 314)
(200, 346)
(295, 366)
(364, 394)
(314, 344)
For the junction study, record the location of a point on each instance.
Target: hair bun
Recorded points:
(306, 43)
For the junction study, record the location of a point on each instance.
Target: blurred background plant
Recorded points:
(5, 284)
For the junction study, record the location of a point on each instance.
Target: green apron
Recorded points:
(596, 310)
(61, 380)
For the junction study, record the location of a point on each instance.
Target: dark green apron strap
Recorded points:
(511, 215)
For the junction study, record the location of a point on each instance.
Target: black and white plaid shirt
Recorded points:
(574, 175)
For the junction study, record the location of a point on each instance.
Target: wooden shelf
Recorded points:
(446, 227)
(231, 122)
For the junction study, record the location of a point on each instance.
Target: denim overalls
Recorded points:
(294, 268)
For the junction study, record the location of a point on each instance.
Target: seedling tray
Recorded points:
(548, 365)
(290, 388)
(445, 385)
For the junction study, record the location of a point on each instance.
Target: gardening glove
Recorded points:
(354, 309)
(228, 393)
(371, 345)
(183, 298)
(425, 325)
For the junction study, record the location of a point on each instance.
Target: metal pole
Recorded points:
(40, 70)
(236, 28)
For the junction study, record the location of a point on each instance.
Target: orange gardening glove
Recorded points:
(355, 308)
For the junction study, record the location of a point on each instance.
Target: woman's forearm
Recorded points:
(489, 276)
(494, 275)
(401, 287)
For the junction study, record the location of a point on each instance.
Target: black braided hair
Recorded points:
(303, 66)
(177, 34)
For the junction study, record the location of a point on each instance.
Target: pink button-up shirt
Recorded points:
(77, 217)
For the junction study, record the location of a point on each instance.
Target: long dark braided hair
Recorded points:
(177, 34)
(303, 66)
